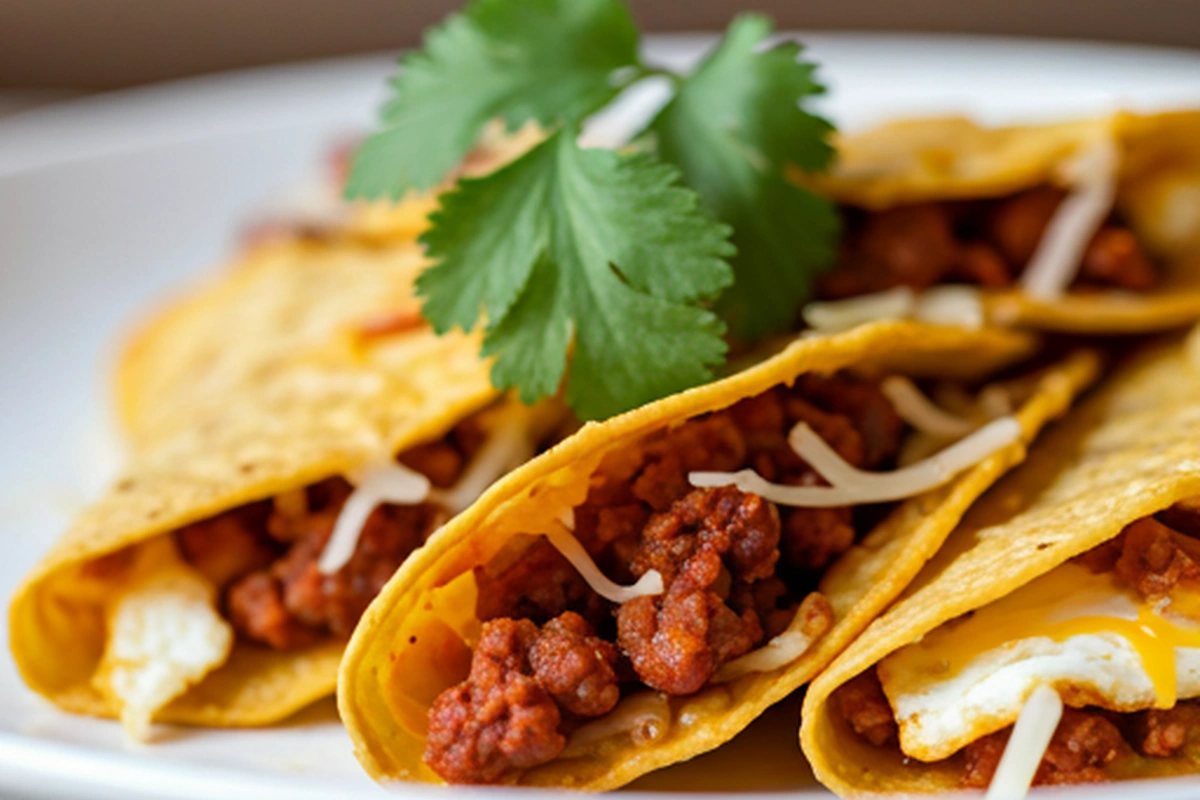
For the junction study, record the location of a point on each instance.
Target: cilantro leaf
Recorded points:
(589, 251)
(541, 60)
(732, 128)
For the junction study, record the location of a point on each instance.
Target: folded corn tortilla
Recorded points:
(267, 381)
(414, 640)
(278, 305)
(1157, 188)
(1125, 454)
(287, 300)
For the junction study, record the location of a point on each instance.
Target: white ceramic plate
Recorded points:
(107, 202)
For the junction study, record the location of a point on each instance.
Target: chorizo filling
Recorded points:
(1113, 635)
(282, 580)
(700, 580)
(985, 243)
(1043, 242)
(265, 558)
(291, 572)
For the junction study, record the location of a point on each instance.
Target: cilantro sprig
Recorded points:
(733, 127)
(549, 61)
(613, 273)
(567, 245)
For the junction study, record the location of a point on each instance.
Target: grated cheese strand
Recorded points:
(780, 651)
(940, 305)
(811, 621)
(1027, 745)
(510, 443)
(508, 447)
(853, 486)
(373, 486)
(649, 585)
(834, 316)
(950, 305)
(919, 411)
(1056, 261)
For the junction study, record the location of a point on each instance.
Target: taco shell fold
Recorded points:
(1128, 452)
(260, 384)
(951, 158)
(414, 640)
(279, 305)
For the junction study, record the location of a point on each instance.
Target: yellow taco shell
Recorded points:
(413, 641)
(279, 305)
(257, 385)
(952, 158)
(1126, 453)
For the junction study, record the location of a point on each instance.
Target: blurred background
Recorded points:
(52, 47)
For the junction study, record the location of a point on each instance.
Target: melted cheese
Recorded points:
(1081, 632)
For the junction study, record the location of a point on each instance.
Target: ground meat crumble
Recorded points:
(862, 703)
(1151, 556)
(735, 568)
(263, 556)
(986, 243)
(1084, 743)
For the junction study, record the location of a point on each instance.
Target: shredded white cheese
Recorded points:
(1092, 174)
(509, 446)
(812, 619)
(780, 651)
(382, 483)
(841, 315)
(941, 305)
(936, 422)
(510, 443)
(851, 485)
(950, 305)
(649, 585)
(1027, 745)
(919, 411)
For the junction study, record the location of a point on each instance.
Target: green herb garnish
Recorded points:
(598, 266)
(733, 127)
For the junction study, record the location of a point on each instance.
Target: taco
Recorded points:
(1088, 227)
(1073, 583)
(291, 452)
(296, 289)
(278, 305)
(641, 592)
